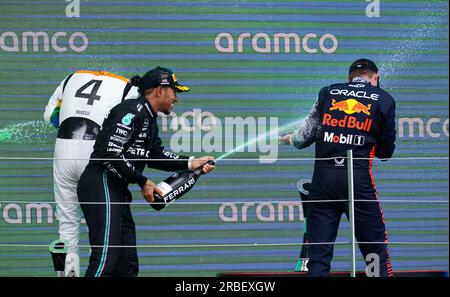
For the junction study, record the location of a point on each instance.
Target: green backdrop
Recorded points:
(202, 235)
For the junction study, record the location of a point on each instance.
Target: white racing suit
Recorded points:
(77, 108)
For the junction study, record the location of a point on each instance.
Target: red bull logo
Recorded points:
(347, 122)
(350, 106)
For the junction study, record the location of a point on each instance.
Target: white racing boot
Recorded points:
(72, 267)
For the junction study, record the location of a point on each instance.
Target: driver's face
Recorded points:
(168, 99)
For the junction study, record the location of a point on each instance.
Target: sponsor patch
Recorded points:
(126, 120)
(350, 122)
(356, 94)
(344, 139)
(350, 106)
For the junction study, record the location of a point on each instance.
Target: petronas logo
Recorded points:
(126, 120)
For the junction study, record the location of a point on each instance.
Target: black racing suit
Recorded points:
(129, 132)
(348, 116)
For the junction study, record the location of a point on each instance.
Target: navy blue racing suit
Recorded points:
(347, 116)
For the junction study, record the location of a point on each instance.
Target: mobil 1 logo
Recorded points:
(344, 139)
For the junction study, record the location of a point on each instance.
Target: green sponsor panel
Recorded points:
(245, 216)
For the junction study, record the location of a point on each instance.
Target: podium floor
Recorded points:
(399, 273)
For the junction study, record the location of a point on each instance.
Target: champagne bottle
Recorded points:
(176, 186)
(58, 249)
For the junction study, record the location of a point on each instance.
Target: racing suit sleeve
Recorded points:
(51, 114)
(132, 93)
(166, 160)
(305, 135)
(118, 137)
(386, 140)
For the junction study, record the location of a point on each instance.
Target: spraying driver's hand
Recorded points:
(197, 162)
(285, 139)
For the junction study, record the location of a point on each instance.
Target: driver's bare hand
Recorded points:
(197, 162)
(148, 189)
(285, 139)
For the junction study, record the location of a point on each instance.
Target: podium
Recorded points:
(399, 273)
